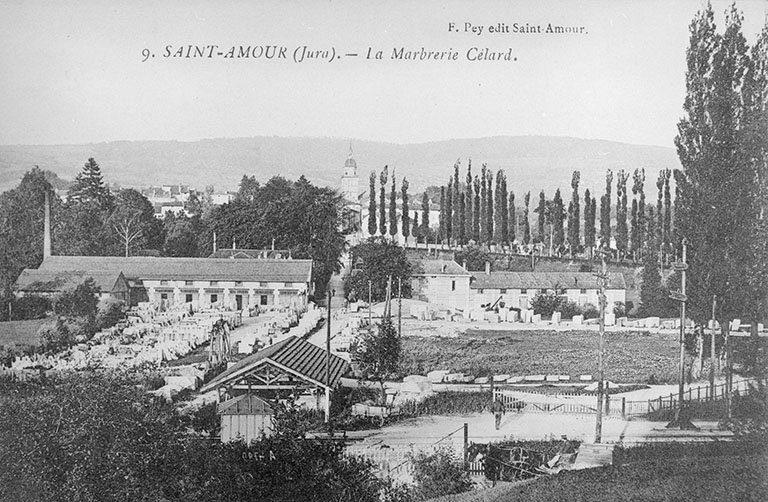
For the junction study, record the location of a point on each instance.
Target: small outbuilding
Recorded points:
(245, 417)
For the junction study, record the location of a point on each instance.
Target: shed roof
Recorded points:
(296, 355)
(150, 267)
(543, 280)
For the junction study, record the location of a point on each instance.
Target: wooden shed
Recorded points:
(245, 417)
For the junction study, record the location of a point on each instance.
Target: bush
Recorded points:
(438, 474)
(109, 312)
(449, 403)
(30, 307)
(590, 311)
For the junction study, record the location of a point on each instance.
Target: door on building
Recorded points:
(214, 298)
(188, 298)
(263, 299)
(239, 302)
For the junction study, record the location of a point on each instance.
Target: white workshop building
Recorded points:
(442, 282)
(236, 283)
(517, 289)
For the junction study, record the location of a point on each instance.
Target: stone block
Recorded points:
(610, 319)
(493, 317)
(652, 322)
(500, 378)
(513, 316)
(437, 376)
(516, 379)
(536, 318)
(482, 380)
(565, 378)
(535, 378)
(585, 378)
(454, 377)
(578, 320)
(556, 316)
(735, 324)
(552, 378)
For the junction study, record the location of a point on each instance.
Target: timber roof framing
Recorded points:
(292, 362)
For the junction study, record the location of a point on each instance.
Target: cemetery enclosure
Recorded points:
(631, 357)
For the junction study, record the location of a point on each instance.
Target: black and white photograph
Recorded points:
(383, 251)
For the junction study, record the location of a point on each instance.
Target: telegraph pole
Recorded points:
(399, 307)
(328, 361)
(369, 302)
(680, 420)
(602, 282)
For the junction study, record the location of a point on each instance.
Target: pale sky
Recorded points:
(72, 72)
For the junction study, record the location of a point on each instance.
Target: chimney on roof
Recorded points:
(464, 264)
(214, 241)
(487, 268)
(233, 243)
(47, 227)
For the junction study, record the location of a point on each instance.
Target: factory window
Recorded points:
(263, 299)
(453, 285)
(523, 291)
(187, 283)
(188, 298)
(214, 298)
(214, 283)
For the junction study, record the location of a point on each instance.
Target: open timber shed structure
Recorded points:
(291, 365)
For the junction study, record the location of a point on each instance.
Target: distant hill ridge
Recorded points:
(530, 162)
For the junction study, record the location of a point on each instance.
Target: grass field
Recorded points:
(629, 357)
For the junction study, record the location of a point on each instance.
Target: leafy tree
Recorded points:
(201, 204)
(474, 256)
(382, 202)
(249, 188)
(718, 202)
(377, 355)
(21, 229)
(574, 215)
(372, 203)
(377, 260)
(406, 223)
(180, 235)
(134, 223)
(605, 212)
(393, 208)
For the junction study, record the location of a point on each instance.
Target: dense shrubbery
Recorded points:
(449, 403)
(30, 307)
(439, 473)
(109, 312)
(100, 436)
(548, 303)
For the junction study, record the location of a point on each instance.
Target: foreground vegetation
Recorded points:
(714, 472)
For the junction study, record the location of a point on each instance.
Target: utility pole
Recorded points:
(399, 307)
(369, 302)
(602, 282)
(328, 361)
(712, 358)
(680, 420)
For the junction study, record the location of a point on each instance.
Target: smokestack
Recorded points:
(214, 241)
(47, 227)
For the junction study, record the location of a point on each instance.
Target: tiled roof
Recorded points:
(293, 353)
(439, 267)
(147, 267)
(42, 281)
(543, 280)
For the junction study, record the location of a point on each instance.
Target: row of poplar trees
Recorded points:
(481, 211)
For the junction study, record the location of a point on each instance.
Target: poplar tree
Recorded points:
(424, 216)
(638, 212)
(393, 208)
(462, 234)
(574, 214)
(512, 218)
(441, 229)
(372, 203)
(499, 201)
(621, 212)
(526, 223)
(504, 209)
(468, 209)
(484, 236)
(558, 214)
(489, 208)
(404, 209)
(456, 213)
(383, 202)
(449, 211)
(416, 230)
(659, 225)
(667, 213)
(477, 211)
(589, 220)
(542, 216)
(605, 212)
